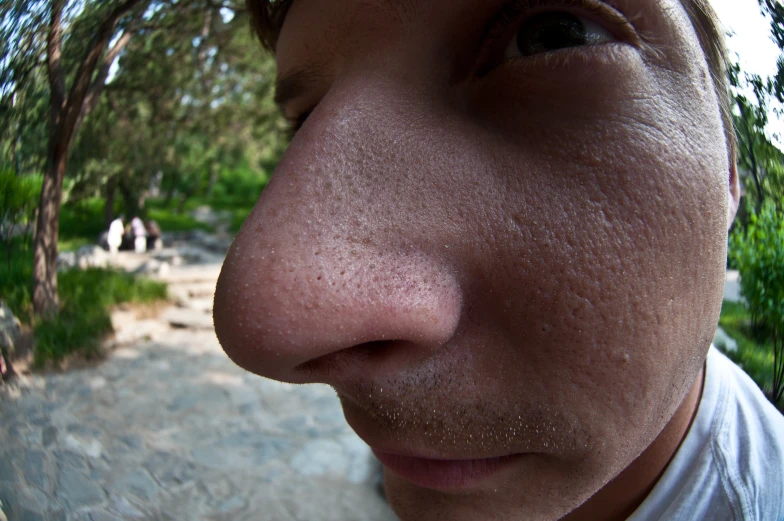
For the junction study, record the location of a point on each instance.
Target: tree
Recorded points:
(191, 95)
(755, 99)
(68, 108)
(184, 106)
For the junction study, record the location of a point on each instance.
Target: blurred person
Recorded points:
(115, 236)
(499, 233)
(154, 241)
(139, 235)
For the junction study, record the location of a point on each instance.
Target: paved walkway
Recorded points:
(168, 428)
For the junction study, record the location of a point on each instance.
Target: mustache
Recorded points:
(450, 415)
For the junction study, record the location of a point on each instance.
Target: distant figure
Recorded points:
(139, 234)
(154, 241)
(115, 236)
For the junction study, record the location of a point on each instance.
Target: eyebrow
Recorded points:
(295, 83)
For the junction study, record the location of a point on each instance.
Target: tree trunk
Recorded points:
(45, 302)
(213, 179)
(67, 110)
(181, 203)
(130, 201)
(108, 208)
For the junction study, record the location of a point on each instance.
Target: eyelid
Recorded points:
(504, 25)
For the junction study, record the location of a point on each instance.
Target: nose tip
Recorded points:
(278, 307)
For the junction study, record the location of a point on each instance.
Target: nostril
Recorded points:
(356, 357)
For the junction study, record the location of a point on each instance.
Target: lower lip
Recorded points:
(444, 474)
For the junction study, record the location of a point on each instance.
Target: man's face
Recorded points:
(500, 233)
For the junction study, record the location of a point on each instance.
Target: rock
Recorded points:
(27, 515)
(10, 330)
(211, 217)
(66, 260)
(170, 470)
(320, 457)
(33, 500)
(153, 267)
(49, 435)
(33, 468)
(87, 446)
(723, 341)
(76, 490)
(91, 257)
(185, 318)
(123, 507)
(210, 242)
(139, 483)
(7, 472)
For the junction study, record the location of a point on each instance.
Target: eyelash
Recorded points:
(511, 15)
(515, 12)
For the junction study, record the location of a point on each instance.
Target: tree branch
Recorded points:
(88, 63)
(54, 56)
(98, 84)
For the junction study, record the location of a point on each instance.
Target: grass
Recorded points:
(86, 299)
(173, 222)
(87, 296)
(755, 352)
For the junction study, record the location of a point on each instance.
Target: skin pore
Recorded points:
(491, 253)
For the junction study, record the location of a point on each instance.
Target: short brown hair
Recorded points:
(266, 18)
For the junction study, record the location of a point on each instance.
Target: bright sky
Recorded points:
(752, 41)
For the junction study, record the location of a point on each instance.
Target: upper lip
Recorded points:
(414, 446)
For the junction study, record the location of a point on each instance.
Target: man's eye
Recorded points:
(555, 30)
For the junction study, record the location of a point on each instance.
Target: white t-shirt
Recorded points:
(730, 466)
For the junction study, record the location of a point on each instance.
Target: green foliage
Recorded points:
(758, 252)
(170, 221)
(16, 281)
(755, 351)
(82, 221)
(86, 297)
(18, 198)
(190, 111)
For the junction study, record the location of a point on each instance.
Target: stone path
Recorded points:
(168, 428)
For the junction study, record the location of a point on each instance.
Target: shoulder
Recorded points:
(747, 443)
(730, 465)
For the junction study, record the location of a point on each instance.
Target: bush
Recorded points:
(755, 351)
(82, 220)
(758, 252)
(16, 280)
(18, 199)
(86, 298)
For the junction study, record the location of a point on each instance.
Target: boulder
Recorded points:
(153, 267)
(10, 329)
(66, 260)
(91, 257)
(210, 242)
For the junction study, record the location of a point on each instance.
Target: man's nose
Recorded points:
(337, 258)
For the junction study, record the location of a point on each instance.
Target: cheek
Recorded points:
(612, 238)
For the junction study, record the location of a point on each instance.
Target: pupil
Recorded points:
(550, 32)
